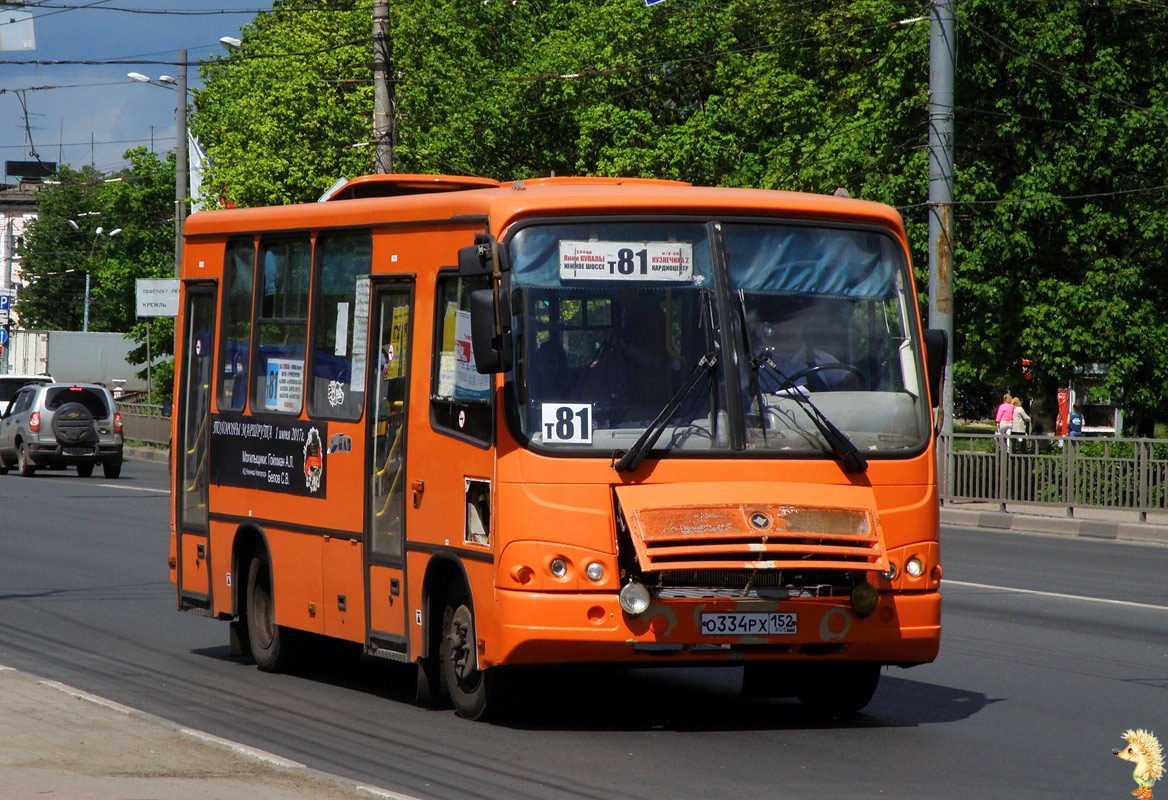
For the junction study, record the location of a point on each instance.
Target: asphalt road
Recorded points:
(1052, 647)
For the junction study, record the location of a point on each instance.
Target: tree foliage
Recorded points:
(138, 203)
(283, 129)
(1062, 257)
(1061, 124)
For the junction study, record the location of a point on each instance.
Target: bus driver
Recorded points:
(784, 337)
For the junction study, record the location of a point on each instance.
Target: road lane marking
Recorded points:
(1057, 595)
(133, 488)
(376, 792)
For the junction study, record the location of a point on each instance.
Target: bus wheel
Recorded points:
(427, 686)
(839, 687)
(467, 686)
(269, 642)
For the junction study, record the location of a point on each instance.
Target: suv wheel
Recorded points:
(85, 469)
(22, 461)
(111, 469)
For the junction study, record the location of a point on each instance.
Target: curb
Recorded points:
(1142, 533)
(258, 771)
(147, 453)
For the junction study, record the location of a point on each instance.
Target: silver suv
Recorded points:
(56, 425)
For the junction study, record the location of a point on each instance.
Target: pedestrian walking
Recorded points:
(1005, 415)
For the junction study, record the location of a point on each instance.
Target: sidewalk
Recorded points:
(1124, 526)
(58, 742)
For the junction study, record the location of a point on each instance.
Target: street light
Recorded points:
(97, 234)
(180, 150)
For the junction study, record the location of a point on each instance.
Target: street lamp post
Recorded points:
(97, 234)
(180, 151)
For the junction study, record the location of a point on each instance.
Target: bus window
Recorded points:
(282, 326)
(460, 396)
(234, 352)
(388, 408)
(344, 262)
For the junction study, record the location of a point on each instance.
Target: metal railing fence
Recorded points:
(1121, 474)
(144, 422)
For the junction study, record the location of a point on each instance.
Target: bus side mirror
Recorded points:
(492, 352)
(479, 258)
(936, 353)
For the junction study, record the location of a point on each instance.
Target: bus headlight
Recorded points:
(558, 567)
(889, 573)
(594, 571)
(914, 567)
(634, 598)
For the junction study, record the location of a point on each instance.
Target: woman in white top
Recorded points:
(1021, 424)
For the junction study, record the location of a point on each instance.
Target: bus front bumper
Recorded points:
(905, 629)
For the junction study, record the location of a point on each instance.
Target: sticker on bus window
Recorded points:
(285, 384)
(626, 261)
(567, 423)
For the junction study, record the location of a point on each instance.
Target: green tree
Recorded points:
(281, 116)
(138, 202)
(1061, 127)
(1061, 251)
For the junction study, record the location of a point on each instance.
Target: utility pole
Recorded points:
(942, 58)
(180, 163)
(382, 96)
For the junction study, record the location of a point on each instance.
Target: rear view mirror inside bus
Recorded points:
(479, 258)
(491, 349)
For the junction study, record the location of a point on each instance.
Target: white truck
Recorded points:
(76, 357)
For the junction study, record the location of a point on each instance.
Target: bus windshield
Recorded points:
(717, 333)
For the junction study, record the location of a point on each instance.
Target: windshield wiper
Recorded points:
(837, 441)
(636, 454)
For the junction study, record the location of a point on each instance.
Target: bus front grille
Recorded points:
(755, 540)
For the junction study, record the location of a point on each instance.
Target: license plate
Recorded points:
(77, 451)
(750, 624)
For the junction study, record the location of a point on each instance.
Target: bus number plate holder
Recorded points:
(741, 623)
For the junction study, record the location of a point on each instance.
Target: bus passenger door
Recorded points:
(387, 396)
(190, 450)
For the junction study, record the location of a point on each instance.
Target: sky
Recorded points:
(97, 113)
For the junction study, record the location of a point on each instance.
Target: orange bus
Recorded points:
(468, 425)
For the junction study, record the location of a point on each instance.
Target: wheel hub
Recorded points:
(458, 641)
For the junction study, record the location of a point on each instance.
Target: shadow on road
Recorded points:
(607, 698)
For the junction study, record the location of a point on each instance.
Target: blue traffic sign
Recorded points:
(3, 336)
(5, 302)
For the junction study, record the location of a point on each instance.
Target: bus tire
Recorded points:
(269, 641)
(839, 687)
(427, 685)
(467, 686)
